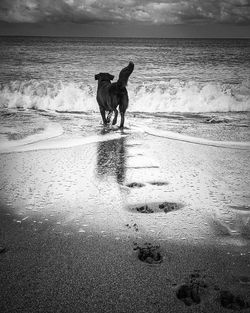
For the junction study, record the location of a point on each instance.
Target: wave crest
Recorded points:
(179, 96)
(162, 96)
(45, 95)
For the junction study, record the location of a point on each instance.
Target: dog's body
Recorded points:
(110, 95)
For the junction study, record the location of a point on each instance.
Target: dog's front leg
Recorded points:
(102, 111)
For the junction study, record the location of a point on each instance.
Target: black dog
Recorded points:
(110, 95)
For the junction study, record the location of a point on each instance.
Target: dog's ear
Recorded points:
(111, 77)
(97, 76)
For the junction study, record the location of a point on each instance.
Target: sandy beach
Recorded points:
(130, 223)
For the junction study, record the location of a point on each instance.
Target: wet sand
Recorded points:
(132, 224)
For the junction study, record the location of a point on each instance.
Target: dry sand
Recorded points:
(133, 224)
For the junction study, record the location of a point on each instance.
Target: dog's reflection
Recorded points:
(111, 159)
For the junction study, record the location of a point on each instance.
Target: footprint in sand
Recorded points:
(158, 183)
(244, 280)
(232, 302)
(169, 206)
(156, 207)
(191, 292)
(134, 226)
(144, 209)
(135, 185)
(3, 249)
(149, 254)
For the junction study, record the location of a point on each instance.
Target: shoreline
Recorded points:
(59, 141)
(229, 130)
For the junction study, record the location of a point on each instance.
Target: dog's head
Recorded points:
(104, 77)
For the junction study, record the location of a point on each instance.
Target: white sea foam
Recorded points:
(52, 131)
(58, 143)
(241, 145)
(164, 96)
(177, 96)
(43, 95)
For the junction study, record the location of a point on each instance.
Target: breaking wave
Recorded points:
(162, 96)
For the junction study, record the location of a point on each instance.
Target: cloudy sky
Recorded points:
(126, 18)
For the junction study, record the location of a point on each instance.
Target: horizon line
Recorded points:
(123, 37)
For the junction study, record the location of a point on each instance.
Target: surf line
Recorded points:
(60, 143)
(51, 131)
(242, 145)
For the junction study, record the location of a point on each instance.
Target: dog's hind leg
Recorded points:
(123, 105)
(109, 116)
(115, 118)
(122, 119)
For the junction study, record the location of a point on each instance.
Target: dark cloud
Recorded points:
(169, 12)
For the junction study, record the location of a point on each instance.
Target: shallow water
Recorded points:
(28, 125)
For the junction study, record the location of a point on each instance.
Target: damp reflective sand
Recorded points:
(102, 183)
(133, 200)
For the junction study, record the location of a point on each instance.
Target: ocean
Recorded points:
(198, 87)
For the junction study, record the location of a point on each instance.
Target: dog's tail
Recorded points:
(124, 75)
